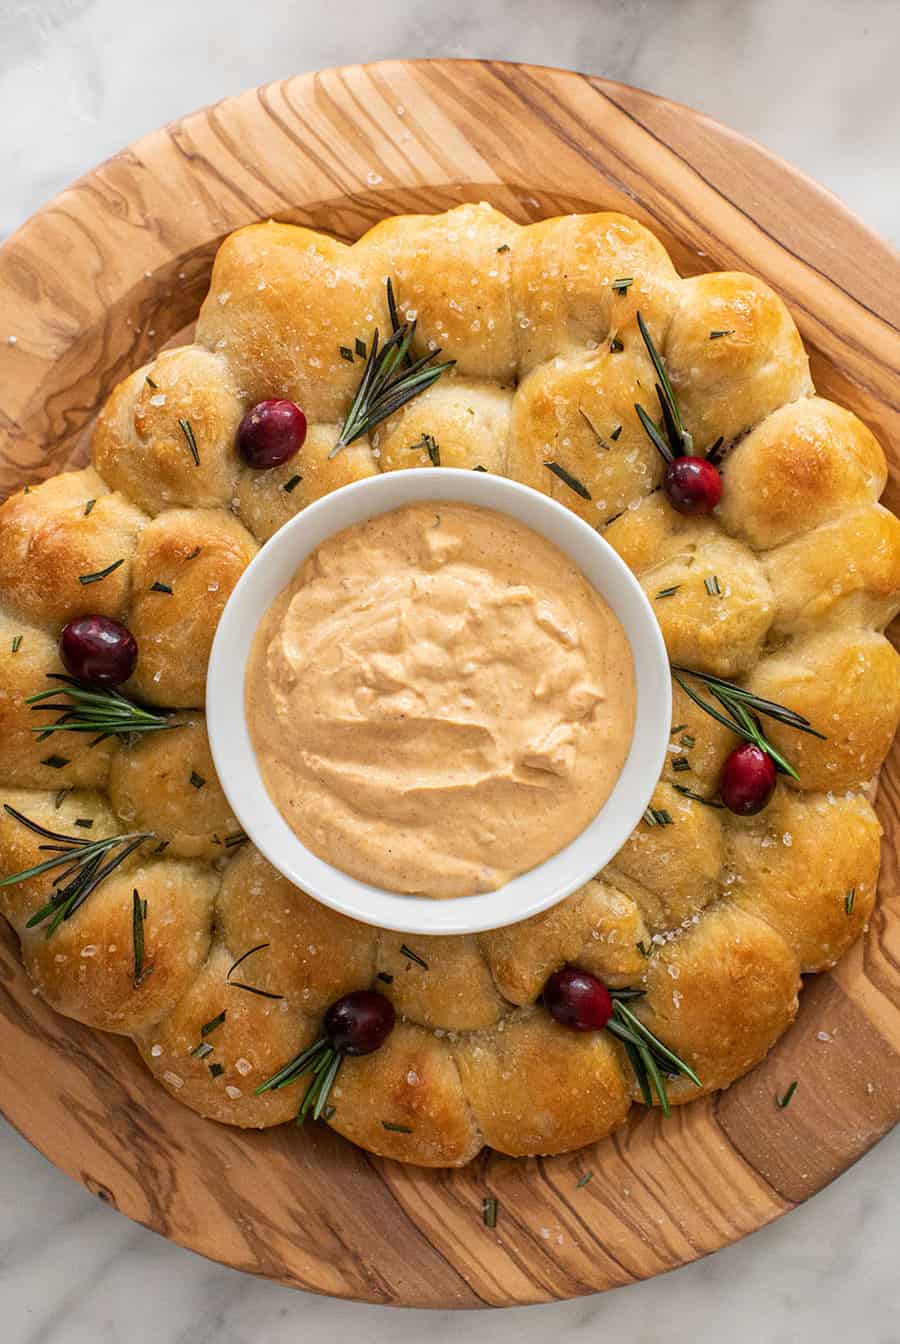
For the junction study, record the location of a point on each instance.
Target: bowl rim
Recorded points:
(528, 893)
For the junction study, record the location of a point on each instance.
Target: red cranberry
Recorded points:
(360, 1022)
(747, 781)
(692, 485)
(577, 999)
(98, 650)
(271, 433)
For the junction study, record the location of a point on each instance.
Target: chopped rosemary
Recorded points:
(676, 728)
(785, 1101)
(585, 1180)
(291, 485)
(389, 381)
(680, 763)
(217, 1070)
(150, 383)
(716, 335)
(504, 247)
(239, 984)
(236, 838)
(396, 1129)
(568, 479)
(157, 587)
(88, 506)
(850, 901)
(714, 453)
(213, 1023)
(84, 863)
(197, 781)
(647, 1055)
(194, 553)
(202, 1050)
(697, 797)
(622, 286)
(657, 816)
(386, 977)
(643, 948)
(84, 822)
(55, 762)
(187, 430)
(360, 347)
(138, 916)
(431, 446)
(668, 592)
(479, 468)
(686, 740)
(101, 573)
(743, 710)
(346, 353)
(16, 643)
(61, 796)
(673, 440)
(489, 1210)
(616, 432)
(413, 956)
(615, 346)
(98, 710)
(711, 584)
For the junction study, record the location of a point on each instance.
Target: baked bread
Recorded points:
(714, 916)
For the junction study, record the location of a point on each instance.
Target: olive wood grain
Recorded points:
(110, 271)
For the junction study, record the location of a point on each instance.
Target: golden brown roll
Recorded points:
(250, 1039)
(675, 858)
(63, 760)
(186, 565)
(282, 303)
(597, 928)
(536, 1087)
(733, 355)
(805, 463)
(313, 955)
(458, 422)
(406, 1101)
(86, 969)
(452, 992)
(167, 434)
(451, 273)
(578, 414)
(847, 683)
(578, 282)
(267, 499)
(808, 865)
(61, 555)
(166, 782)
(729, 968)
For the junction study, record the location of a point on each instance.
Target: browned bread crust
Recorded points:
(713, 916)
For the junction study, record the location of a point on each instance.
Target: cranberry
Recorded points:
(747, 781)
(693, 485)
(271, 433)
(577, 999)
(359, 1023)
(98, 650)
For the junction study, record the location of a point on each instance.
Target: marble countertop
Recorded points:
(815, 81)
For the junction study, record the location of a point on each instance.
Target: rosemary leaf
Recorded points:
(291, 485)
(396, 1129)
(785, 1101)
(88, 506)
(568, 479)
(489, 1210)
(101, 573)
(850, 901)
(16, 643)
(585, 1180)
(157, 587)
(188, 432)
(717, 335)
(668, 592)
(197, 781)
(413, 956)
(213, 1023)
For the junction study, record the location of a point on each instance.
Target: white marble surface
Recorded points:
(815, 80)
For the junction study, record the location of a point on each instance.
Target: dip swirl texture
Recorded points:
(440, 700)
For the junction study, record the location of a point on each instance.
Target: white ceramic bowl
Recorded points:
(271, 571)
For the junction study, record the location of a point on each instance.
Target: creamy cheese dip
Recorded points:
(440, 700)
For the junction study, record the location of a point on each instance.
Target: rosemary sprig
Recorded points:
(651, 1060)
(99, 710)
(84, 863)
(388, 382)
(431, 446)
(743, 709)
(323, 1062)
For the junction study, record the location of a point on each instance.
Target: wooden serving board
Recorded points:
(112, 269)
